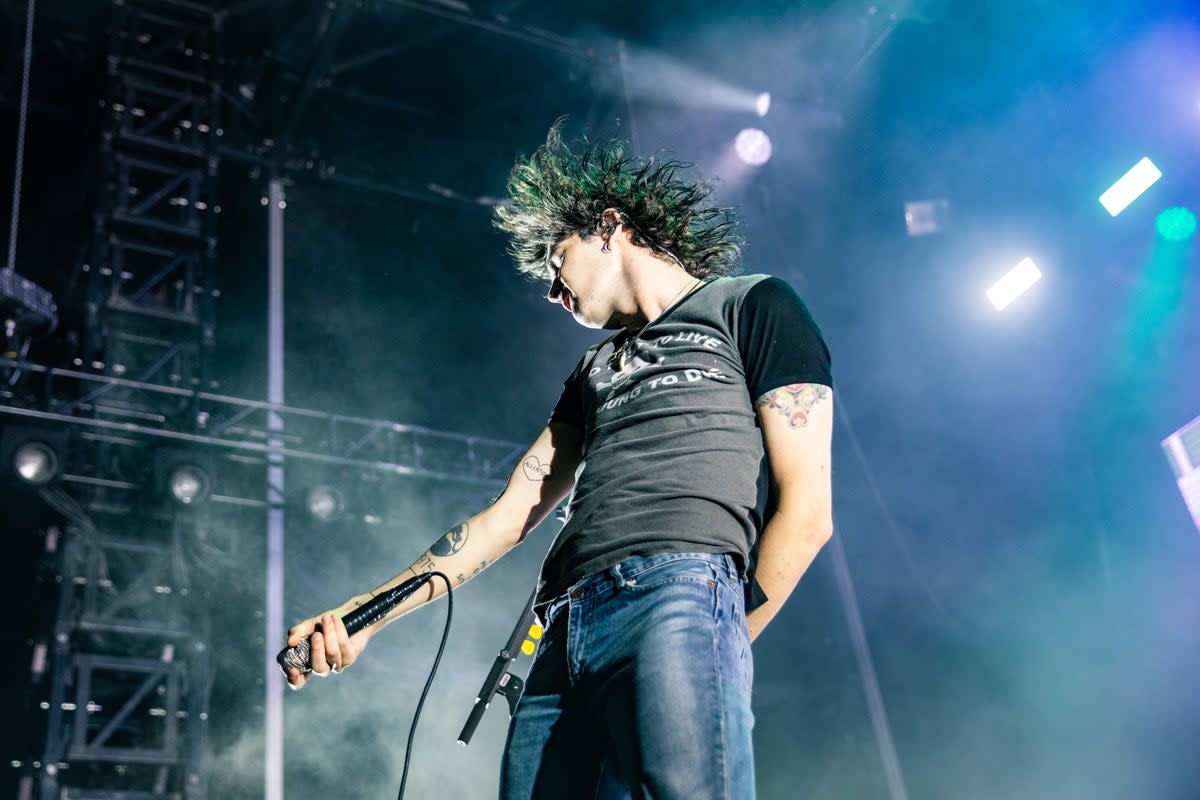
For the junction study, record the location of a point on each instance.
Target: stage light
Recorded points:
(35, 463)
(1182, 450)
(1130, 187)
(753, 147)
(188, 484)
(1014, 284)
(1176, 224)
(762, 104)
(324, 503)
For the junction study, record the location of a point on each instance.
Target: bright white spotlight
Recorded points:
(1014, 284)
(324, 503)
(762, 104)
(35, 463)
(188, 484)
(753, 147)
(1130, 187)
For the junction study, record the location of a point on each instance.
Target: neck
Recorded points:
(656, 284)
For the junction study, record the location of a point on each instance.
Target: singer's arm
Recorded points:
(797, 427)
(540, 481)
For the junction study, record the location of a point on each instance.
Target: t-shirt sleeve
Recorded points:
(569, 407)
(779, 342)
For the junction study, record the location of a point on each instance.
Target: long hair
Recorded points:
(556, 192)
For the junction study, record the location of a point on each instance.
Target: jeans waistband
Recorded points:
(627, 570)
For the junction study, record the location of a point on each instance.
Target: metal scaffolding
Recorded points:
(149, 294)
(129, 673)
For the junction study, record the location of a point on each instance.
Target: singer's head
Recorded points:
(601, 191)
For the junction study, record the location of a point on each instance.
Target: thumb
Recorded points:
(300, 631)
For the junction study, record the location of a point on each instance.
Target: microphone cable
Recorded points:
(412, 732)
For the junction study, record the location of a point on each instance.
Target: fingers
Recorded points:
(331, 648)
(299, 632)
(346, 650)
(296, 679)
(326, 646)
(317, 657)
(333, 643)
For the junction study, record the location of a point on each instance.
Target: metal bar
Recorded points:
(131, 755)
(151, 681)
(275, 609)
(184, 5)
(368, 436)
(278, 408)
(176, 180)
(559, 44)
(83, 689)
(217, 430)
(153, 369)
(302, 455)
(87, 480)
(165, 145)
(376, 100)
(158, 69)
(134, 592)
(866, 672)
(342, 14)
(153, 123)
(158, 276)
(244, 7)
(191, 231)
(145, 629)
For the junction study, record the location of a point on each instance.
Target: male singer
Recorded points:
(695, 444)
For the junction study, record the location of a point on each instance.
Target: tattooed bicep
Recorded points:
(795, 402)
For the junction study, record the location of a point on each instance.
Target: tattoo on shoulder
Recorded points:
(535, 469)
(795, 401)
(452, 542)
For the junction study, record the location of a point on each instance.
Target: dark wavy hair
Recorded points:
(556, 192)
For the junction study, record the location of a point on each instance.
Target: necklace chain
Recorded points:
(628, 350)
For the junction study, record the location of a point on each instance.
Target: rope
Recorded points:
(23, 114)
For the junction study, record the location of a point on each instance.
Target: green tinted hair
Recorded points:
(557, 192)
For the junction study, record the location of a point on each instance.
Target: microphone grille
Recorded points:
(298, 657)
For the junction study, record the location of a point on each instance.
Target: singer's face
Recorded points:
(585, 280)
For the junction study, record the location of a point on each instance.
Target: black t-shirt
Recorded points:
(673, 457)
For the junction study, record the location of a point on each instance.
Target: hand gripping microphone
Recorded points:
(300, 656)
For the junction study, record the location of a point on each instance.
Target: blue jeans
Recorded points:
(640, 688)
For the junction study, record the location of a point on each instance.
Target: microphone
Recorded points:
(300, 656)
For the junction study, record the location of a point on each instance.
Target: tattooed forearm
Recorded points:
(535, 469)
(452, 542)
(795, 401)
(424, 564)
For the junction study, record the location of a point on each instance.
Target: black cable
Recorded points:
(412, 732)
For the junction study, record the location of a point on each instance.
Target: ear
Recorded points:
(610, 219)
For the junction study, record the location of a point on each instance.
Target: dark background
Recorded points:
(1024, 565)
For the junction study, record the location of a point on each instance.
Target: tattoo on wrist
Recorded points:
(452, 542)
(795, 402)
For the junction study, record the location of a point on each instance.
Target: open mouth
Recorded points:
(568, 301)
